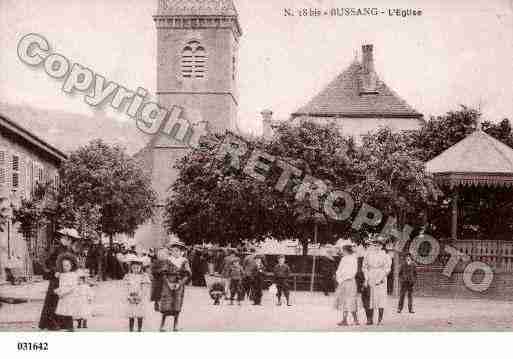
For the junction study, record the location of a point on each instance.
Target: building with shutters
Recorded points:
(25, 160)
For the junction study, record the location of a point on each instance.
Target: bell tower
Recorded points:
(197, 69)
(197, 58)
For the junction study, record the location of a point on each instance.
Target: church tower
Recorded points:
(197, 58)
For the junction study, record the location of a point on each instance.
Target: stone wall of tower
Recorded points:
(214, 96)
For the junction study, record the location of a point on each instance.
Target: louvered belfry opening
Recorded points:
(194, 60)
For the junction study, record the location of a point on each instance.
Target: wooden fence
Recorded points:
(497, 254)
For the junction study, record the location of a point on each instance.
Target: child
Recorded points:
(281, 278)
(217, 290)
(84, 299)
(137, 283)
(235, 274)
(68, 283)
(258, 279)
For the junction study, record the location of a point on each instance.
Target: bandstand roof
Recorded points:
(478, 159)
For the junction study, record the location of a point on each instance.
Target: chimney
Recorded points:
(266, 122)
(367, 59)
(368, 78)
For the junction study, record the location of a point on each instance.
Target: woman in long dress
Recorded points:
(170, 276)
(346, 299)
(376, 266)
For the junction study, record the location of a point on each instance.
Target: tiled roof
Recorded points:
(342, 98)
(7, 124)
(478, 153)
(197, 7)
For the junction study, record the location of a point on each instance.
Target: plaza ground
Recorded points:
(310, 312)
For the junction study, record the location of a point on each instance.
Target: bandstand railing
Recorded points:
(497, 254)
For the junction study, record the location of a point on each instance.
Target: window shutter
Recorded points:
(15, 171)
(56, 181)
(28, 178)
(32, 177)
(22, 176)
(36, 174)
(3, 179)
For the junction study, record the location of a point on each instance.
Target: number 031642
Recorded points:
(26, 346)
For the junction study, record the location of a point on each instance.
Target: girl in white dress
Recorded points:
(84, 299)
(137, 284)
(68, 283)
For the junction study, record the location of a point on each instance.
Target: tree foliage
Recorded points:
(36, 210)
(212, 201)
(104, 189)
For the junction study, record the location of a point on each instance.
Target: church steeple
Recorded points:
(198, 44)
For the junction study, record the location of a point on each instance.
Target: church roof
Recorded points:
(477, 159)
(198, 7)
(343, 98)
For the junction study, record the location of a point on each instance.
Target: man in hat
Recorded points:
(376, 266)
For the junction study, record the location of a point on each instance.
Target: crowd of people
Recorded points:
(230, 274)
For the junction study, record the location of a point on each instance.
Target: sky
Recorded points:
(457, 52)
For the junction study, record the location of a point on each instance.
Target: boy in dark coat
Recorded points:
(281, 279)
(257, 280)
(407, 277)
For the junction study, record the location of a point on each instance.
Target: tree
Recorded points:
(441, 132)
(212, 202)
(35, 211)
(395, 180)
(102, 187)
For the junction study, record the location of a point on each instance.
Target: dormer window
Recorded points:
(194, 60)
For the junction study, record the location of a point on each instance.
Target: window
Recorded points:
(3, 170)
(194, 60)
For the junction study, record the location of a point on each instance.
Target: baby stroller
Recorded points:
(216, 287)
